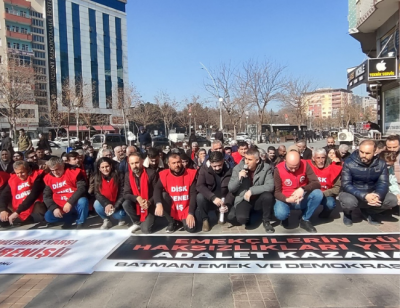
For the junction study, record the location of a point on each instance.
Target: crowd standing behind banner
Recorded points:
(184, 185)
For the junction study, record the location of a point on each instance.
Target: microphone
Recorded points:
(245, 167)
(221, 220)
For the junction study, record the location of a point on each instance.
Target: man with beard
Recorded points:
(153, 160)
(242, 150)
(305, 152)
(281, 154)
(330, 144)
(25, 191)
(365, 185)
(252, 185)
(138, 194)
(329, 177)
(31, 157)
(393, 145)
(123, 165)
(212, 186)
(175, 195)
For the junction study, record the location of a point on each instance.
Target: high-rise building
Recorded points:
(375, 24)
(87, 42)
(23, 41)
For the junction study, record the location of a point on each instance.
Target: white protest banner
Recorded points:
(377, 253)
(55, 251)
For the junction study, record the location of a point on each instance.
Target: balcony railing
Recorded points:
(17, 18)
(20, 3)
(19, 35)
(20, 52)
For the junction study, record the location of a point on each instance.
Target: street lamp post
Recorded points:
(220, 99)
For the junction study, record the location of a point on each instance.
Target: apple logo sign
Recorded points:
(381, 66)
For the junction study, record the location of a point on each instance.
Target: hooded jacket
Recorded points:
(360, 179)
(263, 181)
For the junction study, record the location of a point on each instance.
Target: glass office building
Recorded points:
(87, 43)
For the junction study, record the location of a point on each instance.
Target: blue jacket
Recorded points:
(228, 159)
(144, 138)
(360, 179)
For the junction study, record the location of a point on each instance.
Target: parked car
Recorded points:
(160, 141)
(64, 141)
(227, 137)
(56, 149)
(242, 137)
(112, 140)
(203, 142)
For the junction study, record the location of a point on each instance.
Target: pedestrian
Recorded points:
(43, 143)
(6, 143)
(24, 142)
(219, 135)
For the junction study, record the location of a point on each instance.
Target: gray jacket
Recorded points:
(263, 181)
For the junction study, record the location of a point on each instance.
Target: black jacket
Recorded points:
(360, 179)
(81, 190)
(192, 139)
(307, 154)
(153, 179)
(44, 144)
(206, 183)
(120, 196)
(6, 196)
(144, 138)
(219, 136)
(6, 144)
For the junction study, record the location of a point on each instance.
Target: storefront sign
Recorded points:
(382, 68)
(357, 76)
(55, 251)
(299, 253)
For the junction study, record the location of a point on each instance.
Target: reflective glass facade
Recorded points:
(76, 33)
(114, 4)
(94, 64)
(107, 60)
(62, 25)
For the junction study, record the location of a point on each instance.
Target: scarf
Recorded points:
(144, 191)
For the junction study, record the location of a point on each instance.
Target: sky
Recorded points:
(167, 40)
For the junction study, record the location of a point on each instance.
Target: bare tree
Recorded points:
(264, 82)
(16, 88)
(56, 118)
(167, 108)
(297, 94)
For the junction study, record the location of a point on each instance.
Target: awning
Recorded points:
(81, 128)
(104, 127)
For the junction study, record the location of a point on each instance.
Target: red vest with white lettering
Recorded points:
(21, 189)
(292, 180)
(327, 175)
(178, 189)
(64, 187)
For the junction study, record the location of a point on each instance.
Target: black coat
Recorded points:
(153, 179)
(206, 183)
(307, 154)
(360, 179)
(219, 136)
(6, 144)
(144, 138)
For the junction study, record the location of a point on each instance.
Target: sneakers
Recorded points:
(325, 213)
(171, 227)
(347, 220)
(268, 227)
(206, 226)
(306, 225)
(134, 228)
(121, 223)
(106, 224)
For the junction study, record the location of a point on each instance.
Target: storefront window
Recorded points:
(392, 111)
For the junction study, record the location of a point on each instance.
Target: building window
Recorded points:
(76, 34)
(93, 58)
(107, 60)
(392, 111)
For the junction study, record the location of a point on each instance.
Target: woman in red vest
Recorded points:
(109, 186)
(24, 189)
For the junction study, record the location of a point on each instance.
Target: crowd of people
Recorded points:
(183, 185)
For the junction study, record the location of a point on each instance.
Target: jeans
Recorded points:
(100, 210)
(350, 202)
(79, 212)
(329, 203)
(308, 205)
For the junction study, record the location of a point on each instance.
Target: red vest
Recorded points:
(109, 190)
(21, 189)
(292, 180)
(178, 189)
(64, 187)
(237, 157)
(327, 175)
(4, 177)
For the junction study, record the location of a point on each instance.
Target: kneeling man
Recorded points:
(329, 177)
(175, 193)
(25, 190)
(365, 185)
(296, 188)
(252, 184)
(64, 194)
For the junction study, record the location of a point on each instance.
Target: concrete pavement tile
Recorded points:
(393, 279)
(255, 296)
(242, 304)
(272, 304)
(300, 300)
(269, 296)
(262, 277)
(335, 281)
(293, 288)
(172, 291)
(177, 274)
(336, 296)
(7, 280)
(133, 290)
(286, 278)
(240, 297)
(257, 304)
(212, 290)
(386, 300)
(57, 293)
(373, 285)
